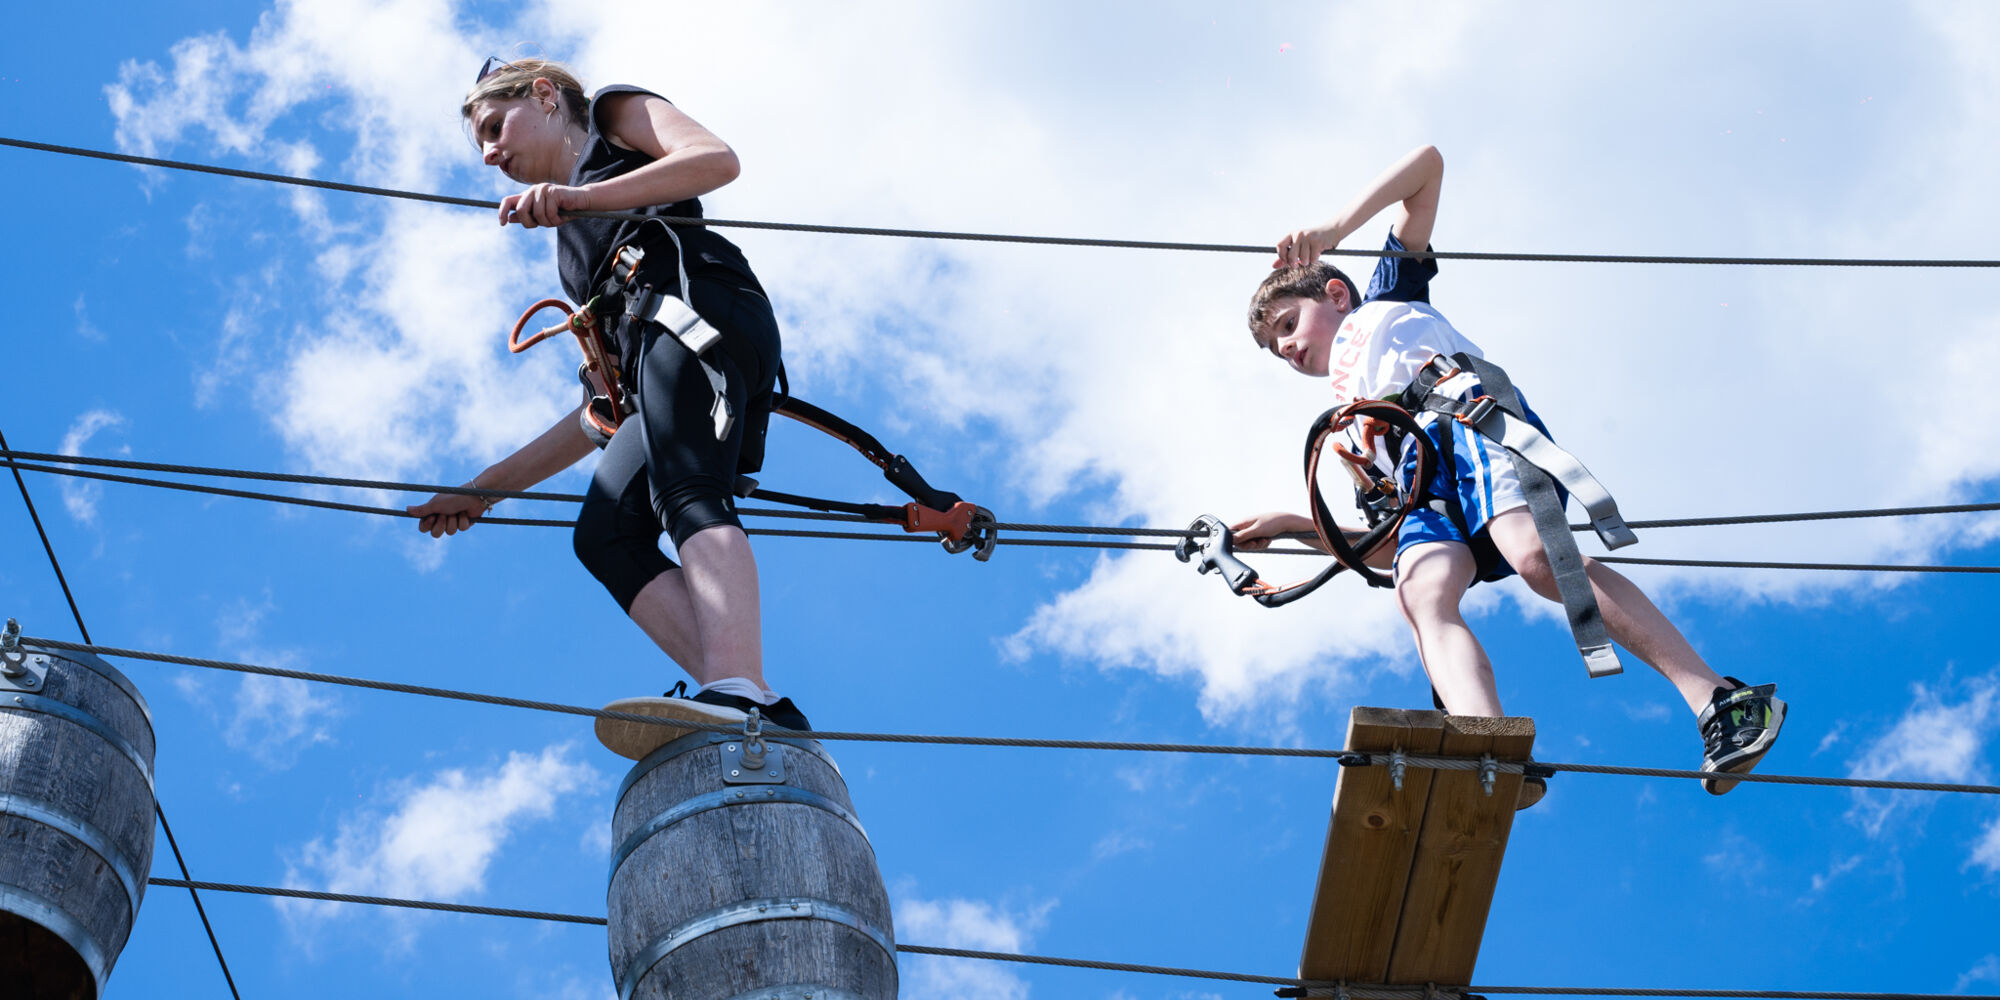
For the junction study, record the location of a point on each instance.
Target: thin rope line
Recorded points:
(1344, 756)
(410, 904)
(390, 485)
(1308, 987)
(1837, 567)
(84, 630)
(7, 459)
(10, 459)
(1439, 763)
(200, 910)
(47, 547)
(258, 175)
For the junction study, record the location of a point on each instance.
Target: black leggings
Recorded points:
(665, 467)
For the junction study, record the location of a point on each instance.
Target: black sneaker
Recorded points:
(680, 715)
(1737, 729)
(781, 713)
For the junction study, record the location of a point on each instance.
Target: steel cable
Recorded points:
(1301, 987)
(12, 459)
(1348, 757)
(158, 812)
(798, 227)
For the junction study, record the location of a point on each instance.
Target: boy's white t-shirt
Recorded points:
(1381, 345)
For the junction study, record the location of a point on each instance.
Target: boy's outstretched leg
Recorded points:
(1738, 722)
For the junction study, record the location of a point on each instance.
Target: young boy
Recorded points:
(1370, 346)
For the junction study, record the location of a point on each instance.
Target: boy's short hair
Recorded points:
(1300, 281)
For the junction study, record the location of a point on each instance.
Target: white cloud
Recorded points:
(1986, 971)
(1936, 739)
(973, 925)
(278, 717)
(1841, 866)
(274, 719)
(84, 327)
(80, 496)
(1125, 376)
(1118, 842)
(436, 838)
(1986, 853)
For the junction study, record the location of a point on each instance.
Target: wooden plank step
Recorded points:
(1407, 877)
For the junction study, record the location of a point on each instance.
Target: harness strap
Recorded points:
(1586, 620)
(1497, 420)
(644, 305)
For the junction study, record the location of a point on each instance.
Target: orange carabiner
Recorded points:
(573, 322)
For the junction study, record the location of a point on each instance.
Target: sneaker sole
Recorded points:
(1533, 790)
(637, 739)
(1747, 759)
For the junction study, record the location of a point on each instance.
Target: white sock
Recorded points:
(741, 687)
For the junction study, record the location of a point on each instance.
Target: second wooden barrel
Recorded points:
(739, 878)
(76, 820)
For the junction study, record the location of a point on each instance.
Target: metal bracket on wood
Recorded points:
(1397, 765)
(12, 660)
(20, 670)
(751, 761)
(1488, 768)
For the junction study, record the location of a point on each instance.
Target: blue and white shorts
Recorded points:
(1478, 479)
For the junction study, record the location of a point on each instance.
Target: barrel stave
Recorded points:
(76, 821)
(718, 859)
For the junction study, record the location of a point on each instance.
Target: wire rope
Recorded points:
(1302, 987)
(158, 811)
(12, 459)
(1347, 757)
(799, 227)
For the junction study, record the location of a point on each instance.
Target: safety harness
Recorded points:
(1441, 386)
(1382, 501)
(959, 525)
(1540, 464)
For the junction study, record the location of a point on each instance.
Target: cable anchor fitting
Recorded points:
(1488, 768)
(13, 662)
(753, 740)
(1397, 765)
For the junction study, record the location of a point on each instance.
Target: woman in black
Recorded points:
(629, 150)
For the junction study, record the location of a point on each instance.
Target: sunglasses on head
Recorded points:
(492, 65)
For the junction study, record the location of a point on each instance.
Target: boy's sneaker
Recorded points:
(637, 739)
(1737, 729)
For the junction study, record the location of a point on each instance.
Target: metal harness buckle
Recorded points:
(1477, 409)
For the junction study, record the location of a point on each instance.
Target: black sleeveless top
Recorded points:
(585, 248)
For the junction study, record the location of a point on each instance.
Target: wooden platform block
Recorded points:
(1407, 878)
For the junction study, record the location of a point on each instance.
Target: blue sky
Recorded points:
(191, 319)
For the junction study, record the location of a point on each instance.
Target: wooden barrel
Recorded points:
(76, 820)
(732, 880)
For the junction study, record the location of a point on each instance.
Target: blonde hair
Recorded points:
(511, 80)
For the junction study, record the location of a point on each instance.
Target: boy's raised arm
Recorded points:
(1415, 181)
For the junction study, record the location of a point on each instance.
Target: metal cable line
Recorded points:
(158, 812)
(7, 459)
(12, 459)
(379, 484)
(1345, 757)
(438, 199)
(1303, 987)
